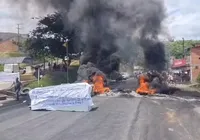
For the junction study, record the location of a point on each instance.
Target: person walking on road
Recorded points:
(17, 86)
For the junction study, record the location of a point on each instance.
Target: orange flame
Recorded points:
(99, 88)
(144, 86)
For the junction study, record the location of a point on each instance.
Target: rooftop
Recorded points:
(15, 60)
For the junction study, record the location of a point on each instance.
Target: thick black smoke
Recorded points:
(101, 24)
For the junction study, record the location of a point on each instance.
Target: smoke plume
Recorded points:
(102, 24)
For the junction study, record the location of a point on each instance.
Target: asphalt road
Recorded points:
(138, 118)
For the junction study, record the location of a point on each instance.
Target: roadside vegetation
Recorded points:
(75, 63)
(55, 78)
(176, 47)
(12, 54)
(198, 79)
(1, 68)
(197, 85)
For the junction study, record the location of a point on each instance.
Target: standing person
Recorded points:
(49, 65)
(17, 86)
(171, 79)
(54, 66)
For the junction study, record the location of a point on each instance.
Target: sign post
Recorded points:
(67, 58)
(38, 76)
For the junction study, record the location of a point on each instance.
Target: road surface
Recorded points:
(118, 118)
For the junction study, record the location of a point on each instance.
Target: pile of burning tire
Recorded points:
(153, 83)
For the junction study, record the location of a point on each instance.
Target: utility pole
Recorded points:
(18, 33)
(183, 47)
(66, 45)
(67, 53)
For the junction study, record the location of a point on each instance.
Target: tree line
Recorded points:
(180, 48)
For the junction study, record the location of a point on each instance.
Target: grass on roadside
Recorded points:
(27, 77)
(1, 68)
(12, 54)
(55, 78)
(23, 65)
(75, 63)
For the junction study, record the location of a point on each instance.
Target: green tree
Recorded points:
(176, 47)
(49, 36)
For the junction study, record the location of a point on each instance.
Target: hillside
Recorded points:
(6, 36)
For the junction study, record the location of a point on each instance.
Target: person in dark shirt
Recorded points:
(17, 87)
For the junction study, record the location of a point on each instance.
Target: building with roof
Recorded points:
(181, 64)
(16, 60)
(195, 62)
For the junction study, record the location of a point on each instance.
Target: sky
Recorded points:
(183, 18)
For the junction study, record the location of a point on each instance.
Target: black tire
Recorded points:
(25, 92)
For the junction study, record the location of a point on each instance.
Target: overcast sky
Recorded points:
(183, 18)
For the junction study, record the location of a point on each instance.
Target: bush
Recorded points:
(198, 79)
(55, 78)
(1, 68)
(27, 77)
(15, 54)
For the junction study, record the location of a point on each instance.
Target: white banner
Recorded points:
(67, 97)
(8, 77)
